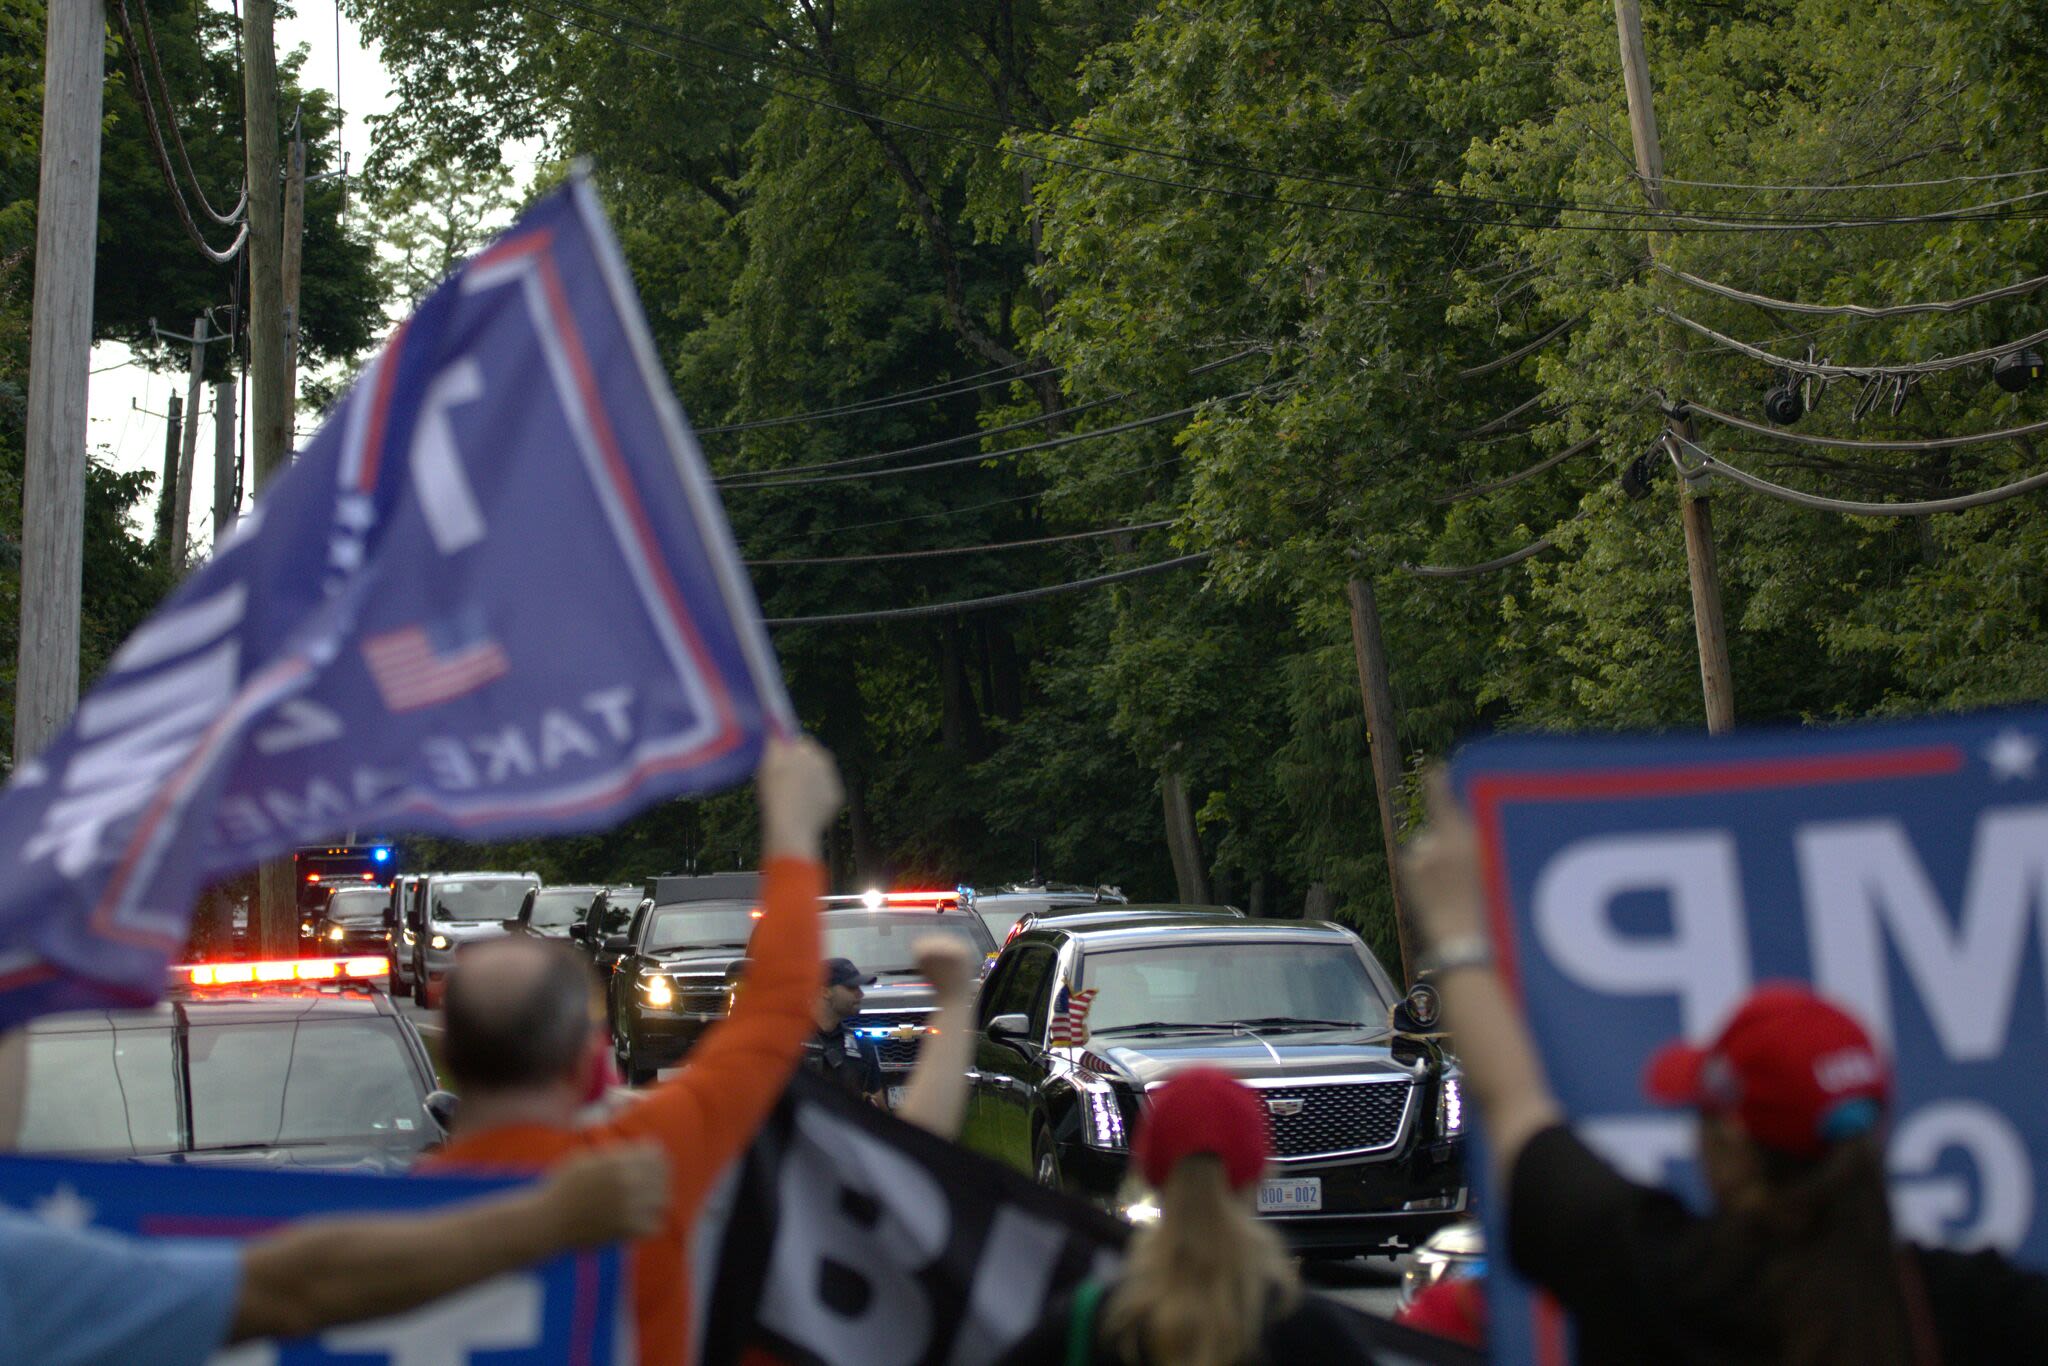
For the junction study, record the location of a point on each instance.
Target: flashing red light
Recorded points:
(312, 877)
(369, 877)
(281, 970)
(927, 897)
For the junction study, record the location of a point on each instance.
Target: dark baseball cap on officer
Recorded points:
(840, 972)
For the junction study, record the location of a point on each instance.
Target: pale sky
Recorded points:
(125, 402)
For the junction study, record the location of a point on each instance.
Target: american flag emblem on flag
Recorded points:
(418, 666)
(1070, 1017)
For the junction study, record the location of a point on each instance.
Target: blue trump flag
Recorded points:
(574, 1309)
(495, 594)
(1640, 888)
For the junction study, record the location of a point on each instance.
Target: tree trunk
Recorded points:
(1182, 843)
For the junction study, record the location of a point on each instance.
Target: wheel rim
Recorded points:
(1048, 1169)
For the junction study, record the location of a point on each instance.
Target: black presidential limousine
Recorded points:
(1367, 1123)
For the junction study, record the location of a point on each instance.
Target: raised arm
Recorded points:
(320, 1272)
(936, 1098)
(708, 1111)
(1440, 874)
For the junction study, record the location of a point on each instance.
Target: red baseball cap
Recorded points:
(1203, 1110)
(1797, 1072)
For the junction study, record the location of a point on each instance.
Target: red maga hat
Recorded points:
(1795, 1071)
(1203, 1110)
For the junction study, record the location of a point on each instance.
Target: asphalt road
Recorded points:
(1368, 1283)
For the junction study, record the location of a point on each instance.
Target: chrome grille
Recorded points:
(1336, 1117)
(898, 1055)
(701, 995)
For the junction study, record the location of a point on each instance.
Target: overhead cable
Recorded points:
(1526, 349)
(1498, 423)
(751, 478)
(1925, 443)
(1032, 497)
(1853, 310)
(1633, 219)
(1542, 466)
(163, 160)
(1473, 571)
(232, 216)
(1824, 370)
(942, 551)
(979, 457)
(1924, 508)
(940, 609)
(1840, 187)
(930, 393)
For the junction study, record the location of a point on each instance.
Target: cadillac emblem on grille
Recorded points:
(1283, 1106)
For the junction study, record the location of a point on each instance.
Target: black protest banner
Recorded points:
(849, 1238)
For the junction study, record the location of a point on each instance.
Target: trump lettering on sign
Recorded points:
(1639, 888)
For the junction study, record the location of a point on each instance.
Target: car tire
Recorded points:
(399, 986)
(1045, 1159)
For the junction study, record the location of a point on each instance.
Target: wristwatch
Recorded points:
(1464, 951)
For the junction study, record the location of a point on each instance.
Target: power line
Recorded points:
(1644, 219)
(156, 143)
(232, 216)
(1822, 370)
(956, 549)
(940, 609)
(1841, 188)
(930, 393)
(1925, 443)
(1853, 310)
(1032, 497)
(1815, 502)
(981, 456)
(1526, 349)
(752, 478)
(1543, 466)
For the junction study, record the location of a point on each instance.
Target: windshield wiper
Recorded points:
(1166, 1026)
(1298, 1022)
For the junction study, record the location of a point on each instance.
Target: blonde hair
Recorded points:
(1198, 1285)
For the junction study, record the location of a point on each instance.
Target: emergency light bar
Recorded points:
(280, 970)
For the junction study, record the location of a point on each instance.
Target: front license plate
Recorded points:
(895, 1097)
(1301, 1193)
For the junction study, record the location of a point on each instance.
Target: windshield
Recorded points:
(880, 942)
(358, 905)
(560, 906)
(701, 925)
(476, 898)
(277, 1083)
(1220, 982)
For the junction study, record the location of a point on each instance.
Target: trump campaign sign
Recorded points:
(573, 1309)
(495, 594)
(1639, 888)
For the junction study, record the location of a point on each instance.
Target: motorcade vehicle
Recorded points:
(319, 868)
(352, 922)
(673, 969)
(1000, 908)
(450, 910)
(610, 913)
(398, 934)
(878, 931)
(298, 1064)
(1368, 1119)
(1089, 914)
(548, 912)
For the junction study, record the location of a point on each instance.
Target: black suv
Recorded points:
(1367, 1125)
(1002, 908)
(291, 1074)
(548, 912)
(876, 930)
(352, 923)
(670, 973)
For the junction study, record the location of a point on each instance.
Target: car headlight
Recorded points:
(1450, 1106)
(1102, 1119)
(439, 941)
(660, 994)
(411, 939)
(335, 934)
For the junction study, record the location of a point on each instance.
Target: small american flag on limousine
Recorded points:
(422, 666)
(1070, 1017)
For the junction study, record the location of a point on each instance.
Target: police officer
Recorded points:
(835, 1050)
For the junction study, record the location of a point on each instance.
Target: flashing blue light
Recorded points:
(381, 855)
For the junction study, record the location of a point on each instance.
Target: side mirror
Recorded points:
(1008, 1028)
(390, 919)
(736, 971)
(618, 943)
(1419, 1012)
(441, 1105)
(579, 932)
(511, 926)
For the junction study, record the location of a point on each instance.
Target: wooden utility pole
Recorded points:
(226, 459)
(269, 388)
(167, 492)
(1716, 685)
(293, 252)
(181, 510)
(1382, 744)
(60, 348)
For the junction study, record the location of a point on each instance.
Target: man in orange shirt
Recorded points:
(525, 1042)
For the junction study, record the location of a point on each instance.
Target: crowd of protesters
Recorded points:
(1797, 1263)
